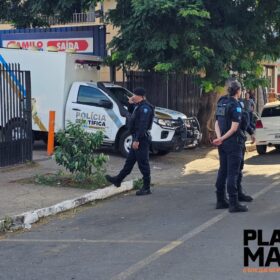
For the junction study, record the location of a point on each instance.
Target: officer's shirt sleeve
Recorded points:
(251, 127)
(236, 113)
(130, 108)
(219, 101)
(144, 120)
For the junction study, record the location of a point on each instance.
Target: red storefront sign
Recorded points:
(79, 44)
(62, 45)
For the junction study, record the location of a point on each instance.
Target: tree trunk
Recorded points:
(206, 115)
(260, 99)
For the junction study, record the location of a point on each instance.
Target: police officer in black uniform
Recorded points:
(139, 124)
(246, 125)
(230, 142)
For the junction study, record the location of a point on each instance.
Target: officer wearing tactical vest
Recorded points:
(139, 124)
(229, 128)
(246, 125)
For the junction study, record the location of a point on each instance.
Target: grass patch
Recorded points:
(60, 179)
(137, 184)
(6, 224)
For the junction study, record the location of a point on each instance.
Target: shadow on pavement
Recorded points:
(270, 158)
(185, 156)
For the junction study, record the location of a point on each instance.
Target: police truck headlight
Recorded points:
(167, 123)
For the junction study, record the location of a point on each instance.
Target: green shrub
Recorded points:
(77, 152)
(137, 184)
(6, 224)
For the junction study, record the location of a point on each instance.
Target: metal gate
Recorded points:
(179, 92)
(15, 115)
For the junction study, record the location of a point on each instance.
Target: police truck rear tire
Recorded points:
(45, 136)
(125, 143)
(261, 149)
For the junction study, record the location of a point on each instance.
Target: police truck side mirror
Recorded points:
(105, 104)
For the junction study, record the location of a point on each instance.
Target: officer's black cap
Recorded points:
(139, 91)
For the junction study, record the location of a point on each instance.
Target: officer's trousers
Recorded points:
(142, 157)
(240, 175)
(230, 153)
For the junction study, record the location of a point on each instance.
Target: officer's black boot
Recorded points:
(113, 180)
(235, 206)
(222, 201)
(242, 196)
(145, 190)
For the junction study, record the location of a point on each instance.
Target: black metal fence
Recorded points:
(179, 92)
(15, 115)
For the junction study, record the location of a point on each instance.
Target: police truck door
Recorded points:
(93, 107)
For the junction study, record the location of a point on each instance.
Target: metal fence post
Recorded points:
(15, 115)
(51, 133)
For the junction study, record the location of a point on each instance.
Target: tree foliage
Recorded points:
(33, 13)
(4, 9)
(216, 37)
(77, 151)
(160, 35)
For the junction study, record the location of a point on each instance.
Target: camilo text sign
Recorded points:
(81, 45)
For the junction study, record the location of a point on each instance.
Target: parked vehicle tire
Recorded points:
(44, 137)
(261, 149)
(16, 130)
(125, 143)
(277, 147)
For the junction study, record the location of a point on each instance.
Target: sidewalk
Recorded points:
(27, 203)
(160, 236)
(17, 198)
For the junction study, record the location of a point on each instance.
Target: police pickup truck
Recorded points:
(171, 130)
(268, 128)
(67, 84)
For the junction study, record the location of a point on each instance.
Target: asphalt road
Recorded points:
(173, 234)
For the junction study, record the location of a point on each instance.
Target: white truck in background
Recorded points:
(268, 128)
(52, 75)
(68, 84)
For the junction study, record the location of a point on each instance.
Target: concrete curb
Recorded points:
(25, 220)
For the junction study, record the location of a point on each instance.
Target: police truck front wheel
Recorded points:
(261, 149)
(125, 143)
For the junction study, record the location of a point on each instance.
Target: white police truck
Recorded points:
(268, 128)
(68, 84)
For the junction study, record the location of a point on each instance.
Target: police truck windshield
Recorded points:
(121, 94)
